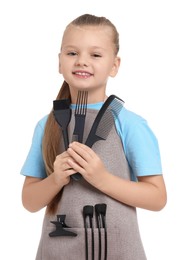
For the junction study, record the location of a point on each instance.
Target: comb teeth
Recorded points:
(105, 124)
(116, 106)
(104, 120)
(107, 121)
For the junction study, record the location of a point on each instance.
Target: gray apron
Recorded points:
(123, 237)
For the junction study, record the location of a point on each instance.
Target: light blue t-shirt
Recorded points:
(139, 143)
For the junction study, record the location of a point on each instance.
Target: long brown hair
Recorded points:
(50, 147)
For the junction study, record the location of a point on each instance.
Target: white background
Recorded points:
(151, 81)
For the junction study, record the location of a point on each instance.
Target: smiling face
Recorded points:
(87, 59)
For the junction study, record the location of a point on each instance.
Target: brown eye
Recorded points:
(96, 55)
(71, 53)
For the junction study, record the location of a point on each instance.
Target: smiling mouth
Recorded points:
(82, 74)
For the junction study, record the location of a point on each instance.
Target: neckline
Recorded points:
(90, 106)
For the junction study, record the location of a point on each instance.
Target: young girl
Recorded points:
(121, 173)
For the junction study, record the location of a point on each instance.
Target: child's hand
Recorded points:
(86, 162)
(62, 170)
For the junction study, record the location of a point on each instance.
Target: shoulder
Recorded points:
(132, 117)
(129, 120)
(42, 122)
(39, 129)
(34, 164)
(135, 131)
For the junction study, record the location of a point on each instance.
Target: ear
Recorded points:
(115, 67)
(59, 64)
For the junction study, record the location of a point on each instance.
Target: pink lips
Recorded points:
(82, 74)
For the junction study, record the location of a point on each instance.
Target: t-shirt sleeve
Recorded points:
(34, 164)
(140, 145)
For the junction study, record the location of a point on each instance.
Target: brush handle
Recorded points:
(66, 138)
(76, 176)
(105, 229)
(98, 220)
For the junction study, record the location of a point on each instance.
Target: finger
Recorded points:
(77, 158)
(62, 155)
(66, 165)
(62, 163)
(83, 150)
(80, 145)
(76, 167)
(70, 171)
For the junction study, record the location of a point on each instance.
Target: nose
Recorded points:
(81, 60)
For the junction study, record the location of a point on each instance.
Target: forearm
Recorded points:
(38, 193)
(149, 194)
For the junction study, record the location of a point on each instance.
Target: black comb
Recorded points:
(104, 120)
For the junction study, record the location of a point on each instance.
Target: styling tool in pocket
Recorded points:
(60, 228)
(62, 114)
(100, 210)
(80, 114)
(88, 212)
(98, 220)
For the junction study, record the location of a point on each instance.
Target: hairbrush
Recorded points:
(62, 114)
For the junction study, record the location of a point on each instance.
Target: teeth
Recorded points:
(82, 73)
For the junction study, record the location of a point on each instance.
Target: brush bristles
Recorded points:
(61, 104)
(101, 208)
(88, 210)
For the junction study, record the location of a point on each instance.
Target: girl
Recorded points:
(121, 173)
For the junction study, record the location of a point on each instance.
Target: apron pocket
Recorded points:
(119, 245)
(63, 247)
